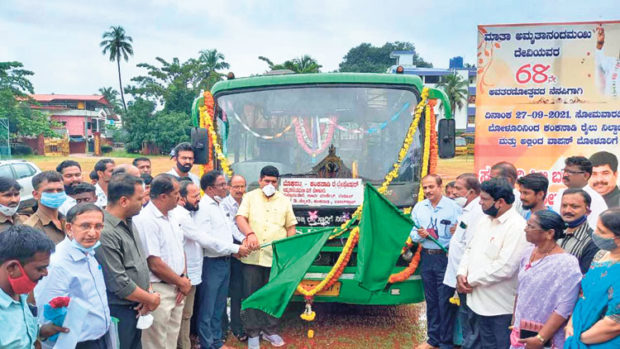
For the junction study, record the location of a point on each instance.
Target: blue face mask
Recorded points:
(607, 244)
(53, 200)
(85, 249)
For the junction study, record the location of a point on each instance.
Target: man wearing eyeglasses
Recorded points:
(230, 205)
(577, 172)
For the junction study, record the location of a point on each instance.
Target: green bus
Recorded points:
(329, 128)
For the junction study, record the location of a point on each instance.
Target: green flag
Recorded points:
(383, 232)
(291, 259)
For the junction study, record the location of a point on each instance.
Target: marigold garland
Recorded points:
(336, 270)
(208, 119)
(411, 268)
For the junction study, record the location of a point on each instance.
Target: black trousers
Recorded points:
(254, 321)
(129, 336)
(235, 292)
(93, 344)
(494, 332)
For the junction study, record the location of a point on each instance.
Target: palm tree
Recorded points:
(110, 95)
(303, 64)
(117, 44)
(456, 88)
(207, 66)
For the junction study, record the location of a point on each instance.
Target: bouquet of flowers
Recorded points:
(55, 312)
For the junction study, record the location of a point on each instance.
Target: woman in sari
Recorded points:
(548, 285)
(596, 320)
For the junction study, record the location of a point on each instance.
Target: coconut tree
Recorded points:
(456, 88)
(117, 44)
(207, 66)
(303, 64)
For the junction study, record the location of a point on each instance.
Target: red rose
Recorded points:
(59, 302)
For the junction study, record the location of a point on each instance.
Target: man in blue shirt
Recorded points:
(24, 257)
(75, 273)
(435, 216)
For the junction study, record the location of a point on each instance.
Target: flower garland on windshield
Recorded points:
(303, 140)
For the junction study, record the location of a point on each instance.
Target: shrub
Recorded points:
(106, 149)
(21, 149)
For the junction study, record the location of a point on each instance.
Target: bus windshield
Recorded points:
(294, 127)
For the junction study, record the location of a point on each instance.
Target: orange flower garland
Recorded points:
(407, 272)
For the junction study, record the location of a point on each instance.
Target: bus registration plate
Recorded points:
(333, 291)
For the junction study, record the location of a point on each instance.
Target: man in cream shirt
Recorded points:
(488, 270)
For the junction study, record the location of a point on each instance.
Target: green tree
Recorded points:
(456, 88)
(207, 67)
(143, 124)
(116, 43)
(15, 103)
(14, 78)
(303, 64)
(367, 58)
(111, 95)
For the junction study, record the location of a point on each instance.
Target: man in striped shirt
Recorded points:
(574, 209)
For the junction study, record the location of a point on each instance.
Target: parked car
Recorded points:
(22, 171)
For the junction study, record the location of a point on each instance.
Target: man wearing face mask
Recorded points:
(264, 215)
(488, 270)
(9, 204)
(71, 173)
(74, 272)
(24, 257)
(212, 219)
(578, 233)
(435, 216)
(183, 155)
(49, 192)
(467, 191)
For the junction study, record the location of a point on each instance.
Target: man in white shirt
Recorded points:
(577, 172)
(183, 155)
(230, 204)
(74, 272)
(216, 264)
(163, 243)
(467, 191)
(104, 169)
(488, 270)
(71, 173)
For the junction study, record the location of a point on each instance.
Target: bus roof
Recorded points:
(317, 78)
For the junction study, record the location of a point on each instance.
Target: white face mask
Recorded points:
(461, 201)
(8, 211)
(269, 190)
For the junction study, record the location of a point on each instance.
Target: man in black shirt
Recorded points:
(574, 209)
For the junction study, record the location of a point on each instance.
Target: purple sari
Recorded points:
(548, 285)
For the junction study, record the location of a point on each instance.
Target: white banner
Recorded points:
(323, 191)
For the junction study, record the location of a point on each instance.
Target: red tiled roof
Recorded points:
(51, 97)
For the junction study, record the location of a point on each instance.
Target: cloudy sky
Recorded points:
(59, 39)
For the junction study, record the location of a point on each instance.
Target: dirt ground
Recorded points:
(337, 325)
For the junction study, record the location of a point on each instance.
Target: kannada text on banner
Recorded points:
(546, 92)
